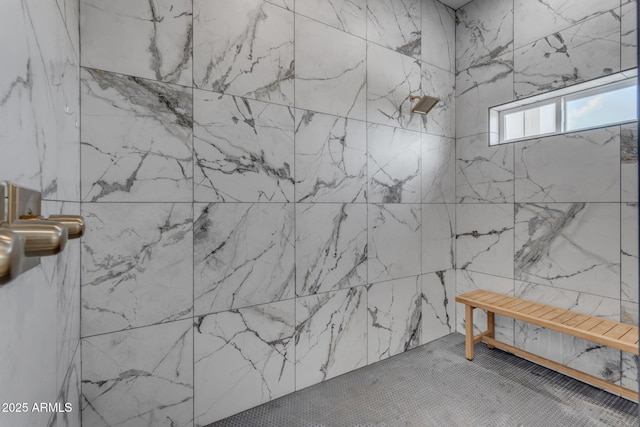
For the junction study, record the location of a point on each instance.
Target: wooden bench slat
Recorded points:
(533, 307)
(553, 314)
(563, 319)
(631, 336)
(580, 318)
(618, 331)
(603, 327)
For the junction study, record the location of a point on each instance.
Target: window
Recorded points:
(602, 102)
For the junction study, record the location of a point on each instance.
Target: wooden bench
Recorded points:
(605, 332)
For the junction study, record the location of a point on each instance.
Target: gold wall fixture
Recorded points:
(425, 103)
(25, 235)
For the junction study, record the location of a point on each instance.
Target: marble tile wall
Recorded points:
(264, 210)
(40, 140)
(550, 219)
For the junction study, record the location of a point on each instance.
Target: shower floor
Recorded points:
(434, 385)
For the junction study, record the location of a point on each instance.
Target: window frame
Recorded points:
(560, 97)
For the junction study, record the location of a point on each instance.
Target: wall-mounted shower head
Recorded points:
(424, 105)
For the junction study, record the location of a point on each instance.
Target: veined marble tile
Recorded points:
(244, 48)
(336, 84)
(70, 392)
(585, 51)
(575, 167)
(139, 377)
(331, 335)
(70, 11)
(137, 139)
(137, 269)
(478, 88)
(586, 356)
(346, 15)
(438, 237)
(484, 31)
(38, 100)
(484, 239)
(572, 246)
(484, 173)
(287, 4)
(244, 150)
(331, 247)
(396, 24)
(467, 281)
(394, 165)
(629, 314)
(629, 29)
(629, 162)
(242, 358)
(535, 19)
(331, 158)
(394, 241)
(438, 169)
(438, 305)
(438, 40)
(68, 299)
(629, 253)
(243, 255)
(391, 79)
(441, 120)
(395, 317)
(28, 325)
(145, 39)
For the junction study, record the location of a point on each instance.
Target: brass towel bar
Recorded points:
(25, 235)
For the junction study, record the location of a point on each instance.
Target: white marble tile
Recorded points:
(535, 19)
(438, 305)
(391, 79)
(139, 377)
(394, 241)
(68, 299)
(484, 174)
(144, 39)
(70, 11)
(70, 392)
(572, 246)
(28, 325)
(441, 120)
(629, 253)
(346, 15)
(586, 356)
(477, 89)
(287, 4)
(585, 51)
(36, 87)
(244, 48)
(244, 150)
(331, 158)
(484, 239)
(254, 347)
(244, 255)
(438, 169)
(484, 31)
(467, 281)
(575, 167)
(331, 247)
(331, 335)
(337, 83)
(136, 139)
(137, 269)
(439, 35)
(629, 162)
(394, 165)
(629, 314)
(438, 237)
(395, 317)
(629, 29)
(395, 24)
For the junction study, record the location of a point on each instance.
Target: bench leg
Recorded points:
(491, 327)
(468, 311)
